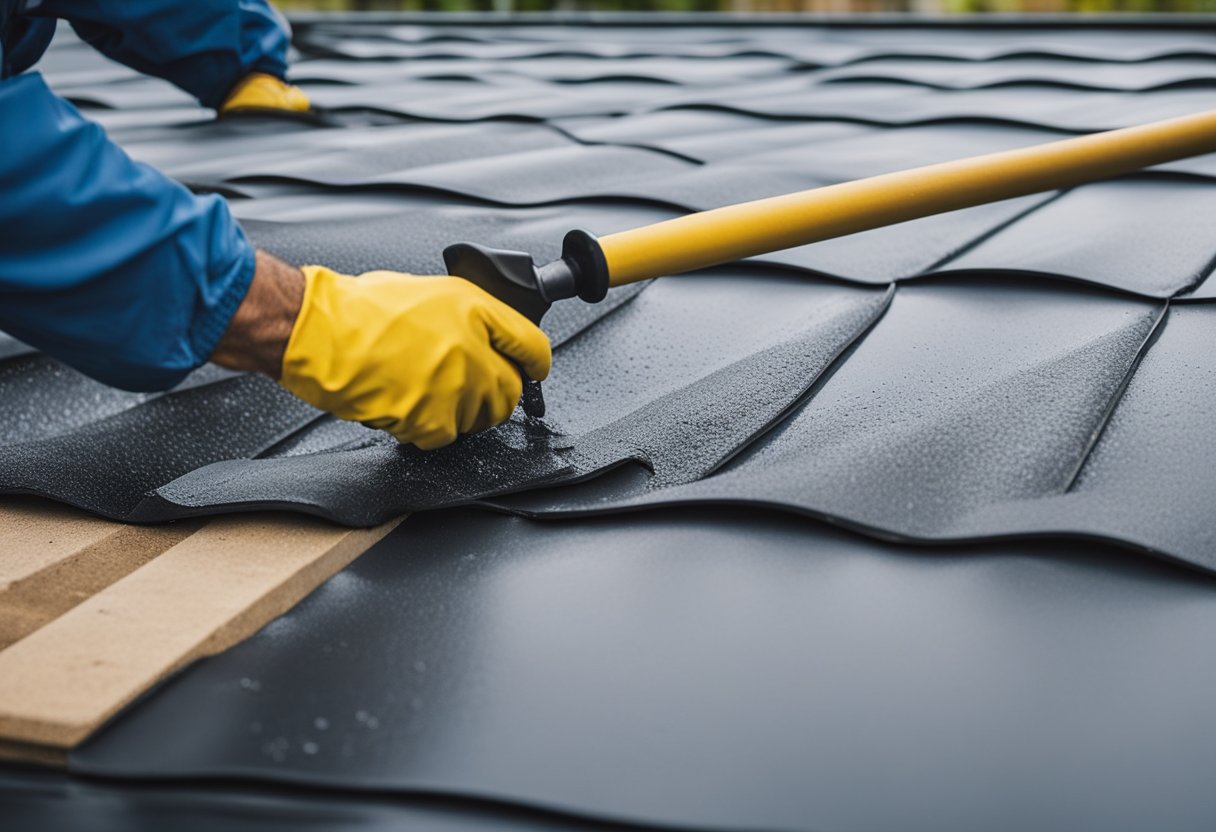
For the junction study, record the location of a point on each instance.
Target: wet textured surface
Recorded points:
(1147, 481)
(683, 399)
(1054, 239)
(970, 414)
(369, 478)
(43, 397)
(765, 339)
(740, 670)
(98, 466)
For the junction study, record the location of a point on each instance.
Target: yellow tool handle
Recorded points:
(722, 235)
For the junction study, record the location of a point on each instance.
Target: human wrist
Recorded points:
(259, 330)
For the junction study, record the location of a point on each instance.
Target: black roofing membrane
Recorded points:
(111, 464)
(10, 347)
(740, 362)
(733, 670)
(952, 74)
(1007, 440)
(1174, 225)
(35, 800)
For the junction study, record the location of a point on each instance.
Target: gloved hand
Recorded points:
(259, 91)
(424, 358)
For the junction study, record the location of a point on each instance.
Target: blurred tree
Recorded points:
(830, 6)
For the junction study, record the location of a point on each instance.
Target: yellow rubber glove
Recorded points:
(424, 358)
(259, 91)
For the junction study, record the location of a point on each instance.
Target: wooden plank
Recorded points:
(38, 755)
(216, 587)
(55, 556)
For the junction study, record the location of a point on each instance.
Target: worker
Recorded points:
(122, 273)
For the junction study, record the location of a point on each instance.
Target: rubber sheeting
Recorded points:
(38, 800)
(766, 346)
(1037, 446)
(976, 398)
(10, 347)
(725, 670)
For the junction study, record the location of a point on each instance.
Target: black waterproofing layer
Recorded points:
(734, 670)
(960, 376)
(740, 361)
(952, 74)
(35, 800)
(958, 419)
(10, 347)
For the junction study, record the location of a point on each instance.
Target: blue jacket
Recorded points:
(105, 263)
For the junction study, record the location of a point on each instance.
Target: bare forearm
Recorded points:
(257, 334)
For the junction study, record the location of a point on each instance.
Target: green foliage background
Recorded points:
(836, 6)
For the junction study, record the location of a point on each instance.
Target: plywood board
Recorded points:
(55, 556)
(62, 681)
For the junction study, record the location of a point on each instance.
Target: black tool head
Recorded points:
(515, 279)
(509, 276)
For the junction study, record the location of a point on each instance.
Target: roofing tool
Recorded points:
(588, 266)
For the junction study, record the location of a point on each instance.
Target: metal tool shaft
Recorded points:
(722, 235)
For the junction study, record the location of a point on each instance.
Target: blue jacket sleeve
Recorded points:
(105, 263)
(202, 46)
